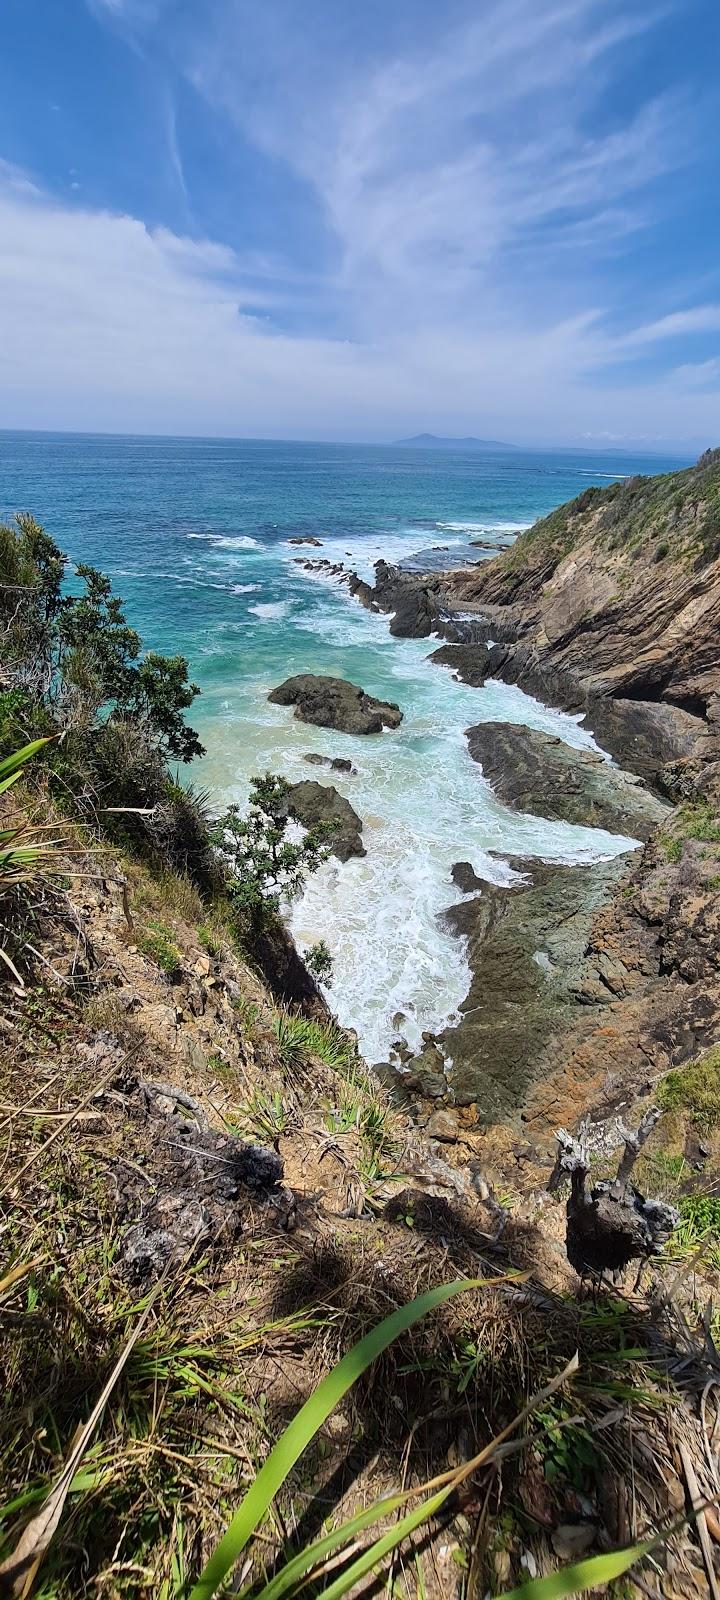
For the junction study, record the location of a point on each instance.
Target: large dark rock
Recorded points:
(538, 773)
(316, 804)
(335, 703)
(413, 602)
(469, 662)
(525, 947)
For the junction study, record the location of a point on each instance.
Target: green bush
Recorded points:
(703, 1211)
(74, 653)
(319, 961)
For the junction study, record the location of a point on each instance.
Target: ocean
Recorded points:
(194, 534)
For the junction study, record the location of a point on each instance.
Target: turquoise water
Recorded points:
(194, 534)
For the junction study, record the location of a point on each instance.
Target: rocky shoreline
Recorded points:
(590, 982)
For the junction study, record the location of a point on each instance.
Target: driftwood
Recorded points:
(610, 1224)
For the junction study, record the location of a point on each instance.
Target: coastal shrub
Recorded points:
(263, 865)
(695, 1090)
(319, 961)
(709, 536)
(72, 664)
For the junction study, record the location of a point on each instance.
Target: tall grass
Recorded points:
(299, 1039)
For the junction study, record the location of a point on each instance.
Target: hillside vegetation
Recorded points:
(674, 516)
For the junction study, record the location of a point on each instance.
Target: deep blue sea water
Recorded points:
(195, 535)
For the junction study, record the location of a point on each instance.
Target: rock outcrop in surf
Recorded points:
(537, 772)
(335, 703)
(316, 804)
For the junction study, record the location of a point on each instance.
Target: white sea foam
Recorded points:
(240, 541)
(268, 610)
(244, 588)
(361, 554)
(423, 801)
(488, 526)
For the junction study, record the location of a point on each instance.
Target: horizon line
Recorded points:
(380, 444)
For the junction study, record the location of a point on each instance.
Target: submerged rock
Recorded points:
(336, 763)
(306, 539)
(335, 703)
(320, 803)
(539, 773)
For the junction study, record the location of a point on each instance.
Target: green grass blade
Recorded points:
(372, 1557)
(12, 765)
(305, 1425)
(309, 1557)
(589, 1574)
(13, 778)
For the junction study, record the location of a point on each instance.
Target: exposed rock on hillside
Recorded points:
(539, 773)
(612, 604)
(320, 803)
(335, 703)
(652, 965)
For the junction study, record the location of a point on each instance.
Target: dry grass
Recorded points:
(247, 1323)
(238, 1339)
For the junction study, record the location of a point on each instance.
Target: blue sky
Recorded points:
(302, 218)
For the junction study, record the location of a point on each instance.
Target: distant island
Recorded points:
(432, 441)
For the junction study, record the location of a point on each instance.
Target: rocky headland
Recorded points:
(589, 983)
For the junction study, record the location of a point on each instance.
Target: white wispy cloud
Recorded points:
(432, 165)
(700, 375)
(107, 324)
(677, 324)
(464, 200)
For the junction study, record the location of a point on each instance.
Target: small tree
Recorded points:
(318, 960)
(263, 865)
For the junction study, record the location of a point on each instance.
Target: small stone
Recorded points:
(572, 1539)
(442, 1125)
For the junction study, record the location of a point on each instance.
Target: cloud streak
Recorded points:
(469, 194)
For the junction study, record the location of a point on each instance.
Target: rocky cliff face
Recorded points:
(611, 604)
(589, 984)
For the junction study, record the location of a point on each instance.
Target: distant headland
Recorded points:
(432, 441)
